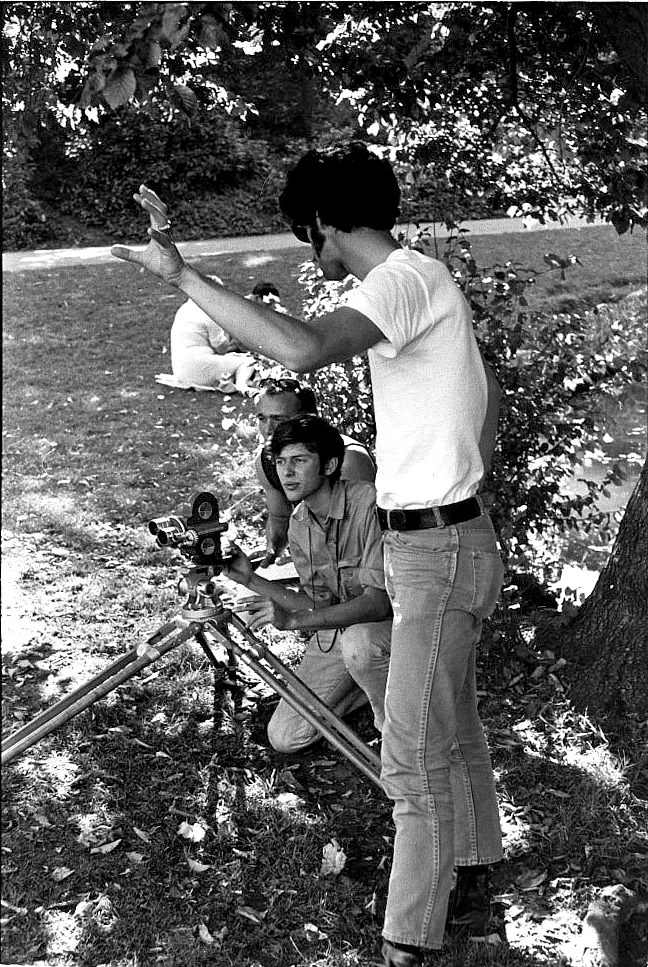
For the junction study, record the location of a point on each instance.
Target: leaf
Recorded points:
(120, 88)
(61, 873)
(531, 879)
(197, 867)
(135, 857)
(192, 831)
(154, 54)
(106, 847)
(141, 834)
(204, 935)
(289, 799)
(333, 859)
(256, 916)
(186, 98)
(313, 933)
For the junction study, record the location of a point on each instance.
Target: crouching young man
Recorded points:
(336, 546)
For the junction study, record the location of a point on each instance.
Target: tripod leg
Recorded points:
(125, 668)
(232, 664)
(303, 700)
(307, 695)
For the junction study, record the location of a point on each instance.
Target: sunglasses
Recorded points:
(280, 385)
(301, 232)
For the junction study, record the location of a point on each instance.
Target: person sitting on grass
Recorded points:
(203, 355)
(336, 546)
(278, 400)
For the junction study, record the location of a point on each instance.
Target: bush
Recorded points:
(23, 218)
(186, 161)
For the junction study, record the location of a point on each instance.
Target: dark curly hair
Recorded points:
(348, 187)
(316, 434)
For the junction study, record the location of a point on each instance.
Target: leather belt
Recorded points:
(418, 519)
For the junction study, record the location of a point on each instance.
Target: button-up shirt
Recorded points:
(336, 560)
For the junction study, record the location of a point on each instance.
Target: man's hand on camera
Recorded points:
(160, 257)
(264, 612)
(240, 568)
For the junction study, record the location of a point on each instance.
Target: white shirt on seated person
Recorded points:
(203, 354)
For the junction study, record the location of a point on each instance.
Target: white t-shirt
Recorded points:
(200, 352)
(429, 383)
(193, 329)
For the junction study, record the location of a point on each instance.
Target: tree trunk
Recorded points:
(606, 646)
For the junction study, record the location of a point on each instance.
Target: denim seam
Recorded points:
(436, 638)
(470, 804)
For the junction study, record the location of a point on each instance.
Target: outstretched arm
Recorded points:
(293, 343)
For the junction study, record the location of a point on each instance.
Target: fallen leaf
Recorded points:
(256, 916)
(106, 847)
(192, 831)
(61, 873)
(198, 867)
(333, 859)
(289, 799)
(142, 834)
(135, 857)
(531, 880)
(204, 935)
(314, 933)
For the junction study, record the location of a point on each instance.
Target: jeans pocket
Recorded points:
(488, 575)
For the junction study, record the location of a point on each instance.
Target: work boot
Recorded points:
(469, 906)
(401, 955)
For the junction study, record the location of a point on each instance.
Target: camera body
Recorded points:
(198, 535)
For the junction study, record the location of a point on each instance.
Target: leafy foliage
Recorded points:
(537, 109)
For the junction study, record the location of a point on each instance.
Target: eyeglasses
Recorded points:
(280, 385)
(301, 232)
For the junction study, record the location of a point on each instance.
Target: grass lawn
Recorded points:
(158, 827)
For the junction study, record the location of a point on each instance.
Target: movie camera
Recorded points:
(198, 535)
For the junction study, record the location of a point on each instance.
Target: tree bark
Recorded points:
(606, 645)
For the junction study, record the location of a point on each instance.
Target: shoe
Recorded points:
(401, 955)
(469, 906)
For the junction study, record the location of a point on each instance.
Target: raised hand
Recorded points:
(160, 257)
(156, 208)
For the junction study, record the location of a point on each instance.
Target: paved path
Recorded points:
(56, 258)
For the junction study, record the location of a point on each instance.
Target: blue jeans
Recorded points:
(435, 762)
(346, 670)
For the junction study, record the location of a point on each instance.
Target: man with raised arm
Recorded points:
(436, 407)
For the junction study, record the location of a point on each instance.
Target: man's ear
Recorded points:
(330, 466)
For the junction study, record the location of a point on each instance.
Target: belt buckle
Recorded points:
(396, 520)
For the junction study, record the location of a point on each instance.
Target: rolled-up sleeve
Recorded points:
(372, 569)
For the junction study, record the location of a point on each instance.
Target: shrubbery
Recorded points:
(215, 179)
(23, 219)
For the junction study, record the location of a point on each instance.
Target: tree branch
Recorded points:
(511, 44)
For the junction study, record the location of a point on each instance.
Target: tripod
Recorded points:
(205, 618)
